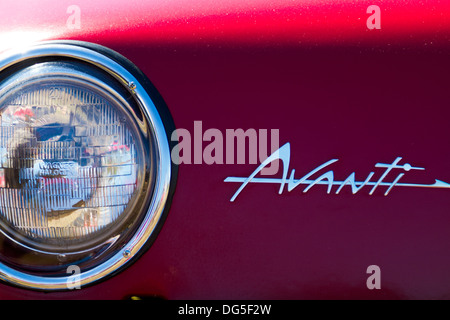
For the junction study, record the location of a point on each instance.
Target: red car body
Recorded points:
(334, 89)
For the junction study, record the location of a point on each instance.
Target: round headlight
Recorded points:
(85, 167)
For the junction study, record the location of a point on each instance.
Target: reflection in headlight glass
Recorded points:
(68, 163)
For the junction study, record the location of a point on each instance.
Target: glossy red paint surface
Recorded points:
(334, 89)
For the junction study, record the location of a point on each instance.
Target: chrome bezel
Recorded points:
(163, 169)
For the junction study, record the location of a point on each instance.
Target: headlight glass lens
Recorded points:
(69, 161)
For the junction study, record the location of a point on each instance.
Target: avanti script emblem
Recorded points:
(327, 178)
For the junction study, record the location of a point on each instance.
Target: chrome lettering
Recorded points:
(327, 178)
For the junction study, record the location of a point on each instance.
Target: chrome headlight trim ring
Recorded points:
(164, 173)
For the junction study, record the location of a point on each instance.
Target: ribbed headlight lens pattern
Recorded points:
(79, 161)
(69, 162)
